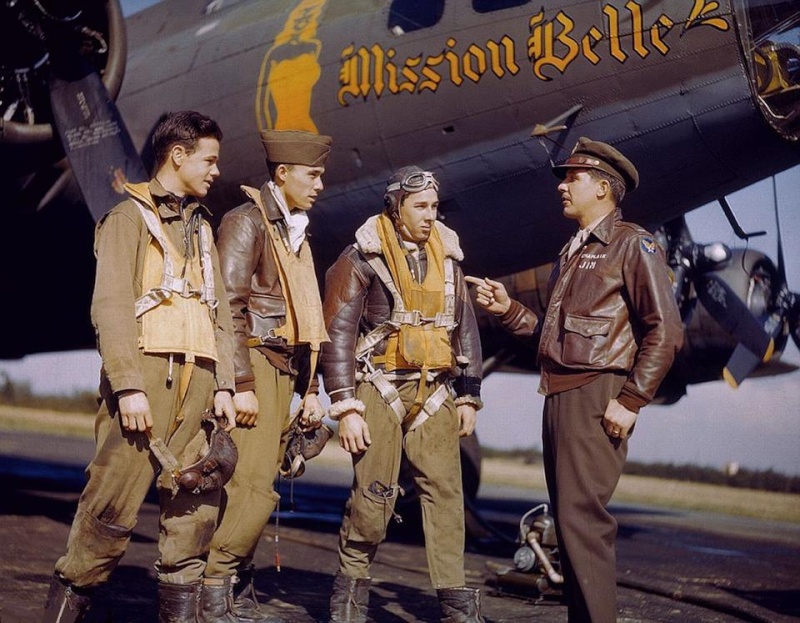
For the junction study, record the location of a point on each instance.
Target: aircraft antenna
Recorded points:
(541, 130)
(781, 266)
(737, 229)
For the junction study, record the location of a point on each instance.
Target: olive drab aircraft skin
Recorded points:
(703, 95)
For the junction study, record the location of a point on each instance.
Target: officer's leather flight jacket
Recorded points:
(356, 301)
(611, 309)
(254, 290)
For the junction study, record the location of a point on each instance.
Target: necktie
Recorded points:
(577, 241)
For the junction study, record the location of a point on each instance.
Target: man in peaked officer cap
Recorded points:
(608, 337)
(269, 276)
(589, 154)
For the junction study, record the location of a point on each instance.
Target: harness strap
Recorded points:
(170, 282)
(380, 268)
(400, 315)
(366, 343)
(431, 406)
(390, 394)
(394, 377)
(205, 239)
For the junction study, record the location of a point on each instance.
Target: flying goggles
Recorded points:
(414, 182)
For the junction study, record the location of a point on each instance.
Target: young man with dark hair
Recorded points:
(272, 288)
(165, 336)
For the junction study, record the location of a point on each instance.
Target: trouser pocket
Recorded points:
(370, 511)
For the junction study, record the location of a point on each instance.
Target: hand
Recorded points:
(246, 406)
(491, 295)
(617, 420)
(353, 432)
(134, 411)
(312, 414)
(223, 405)
(467, 416)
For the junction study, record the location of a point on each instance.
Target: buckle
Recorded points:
(413, 318)
(261, 340)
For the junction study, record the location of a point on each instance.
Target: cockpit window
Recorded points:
(771, 30)
(409, 15)
(487, 6)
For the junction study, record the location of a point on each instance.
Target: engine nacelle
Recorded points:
(42, 30)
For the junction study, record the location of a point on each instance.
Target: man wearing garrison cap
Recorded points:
(278, 327)
(608, 337)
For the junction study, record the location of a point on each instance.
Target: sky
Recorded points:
(756, 426)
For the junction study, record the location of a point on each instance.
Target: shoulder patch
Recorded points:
(649, 245)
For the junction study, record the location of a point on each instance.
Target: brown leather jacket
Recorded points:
(356, 301)
(611, 309)
(254, 290)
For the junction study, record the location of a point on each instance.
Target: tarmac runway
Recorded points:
(673, 566)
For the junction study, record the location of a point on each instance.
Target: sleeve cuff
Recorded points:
(469, 400)
(631, 400)
(338, 409)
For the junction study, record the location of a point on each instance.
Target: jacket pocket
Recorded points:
(264, 314)
(585, 340)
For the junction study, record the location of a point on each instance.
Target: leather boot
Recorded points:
(460, 605)
(349, 599)
(178, 603)
(216, 601)
(65, 603)
(246, 608)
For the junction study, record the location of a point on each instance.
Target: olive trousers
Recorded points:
(121, 474)
(432, 450)
(582, 468)
(250, 497)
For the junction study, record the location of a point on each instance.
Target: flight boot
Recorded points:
(65, 603)
(349, 599)
(246, 608)
(460, 605)
(178, 603)
(216, 601)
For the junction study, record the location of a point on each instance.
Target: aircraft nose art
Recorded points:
(290, 70)
(771, 47)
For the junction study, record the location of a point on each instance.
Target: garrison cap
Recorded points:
(589, 154)
(296, 147)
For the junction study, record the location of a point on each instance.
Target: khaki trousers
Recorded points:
(250, 497)
(582, 467)
(432, 450)
(120, 476)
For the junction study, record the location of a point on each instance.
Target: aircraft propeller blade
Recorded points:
(94, 137)
(735, 317)
(741, 364)
(787, 301)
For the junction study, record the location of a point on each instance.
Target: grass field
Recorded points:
(502, 471)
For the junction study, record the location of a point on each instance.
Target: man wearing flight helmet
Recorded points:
(403, 340)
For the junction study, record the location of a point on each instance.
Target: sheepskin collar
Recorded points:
(367, 240)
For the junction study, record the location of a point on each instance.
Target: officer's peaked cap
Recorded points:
(589, 154)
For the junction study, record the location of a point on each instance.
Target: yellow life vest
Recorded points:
(177, 305)
(424, 342)
(304, 320)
